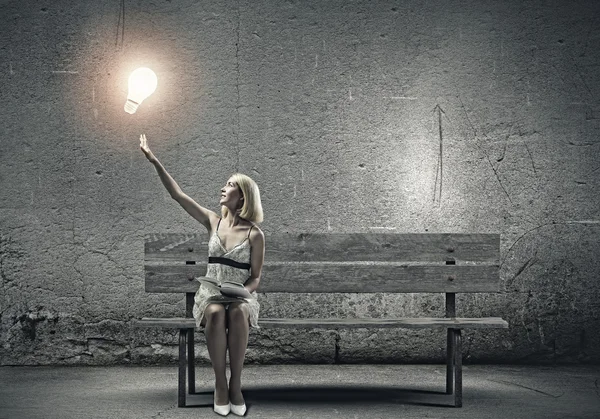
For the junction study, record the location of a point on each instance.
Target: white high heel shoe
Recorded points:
(222, 410)
(239, 410)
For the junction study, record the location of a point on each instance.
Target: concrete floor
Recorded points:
(304, 391)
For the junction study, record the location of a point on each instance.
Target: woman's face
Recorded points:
(231, 196)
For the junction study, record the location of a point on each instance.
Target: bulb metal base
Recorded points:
(131, 106)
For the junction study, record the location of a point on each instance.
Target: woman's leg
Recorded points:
(237, 338)
(216, 342)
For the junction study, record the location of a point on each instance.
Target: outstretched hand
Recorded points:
(144, 147)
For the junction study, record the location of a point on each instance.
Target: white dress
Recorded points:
(221, 271)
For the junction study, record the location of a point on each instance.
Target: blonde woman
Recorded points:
(236, 253)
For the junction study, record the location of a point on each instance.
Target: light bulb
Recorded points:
(142, 83)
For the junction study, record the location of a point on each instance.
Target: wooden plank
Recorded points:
(173, 278)
(321, 277)
(340, 277)
(416, 323)
(339, 247)
(176, 247)
(427, 247)
(403, 322)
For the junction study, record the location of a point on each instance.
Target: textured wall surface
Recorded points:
(337, 109)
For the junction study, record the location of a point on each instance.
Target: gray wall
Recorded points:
(333, 108)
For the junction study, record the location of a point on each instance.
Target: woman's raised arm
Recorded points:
(200, 213)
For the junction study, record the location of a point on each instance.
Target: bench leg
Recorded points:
(454, 365)
(182, 368)
(450, 362)
(191, 362)
(458, 368)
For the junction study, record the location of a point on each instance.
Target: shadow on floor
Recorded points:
(325, 395)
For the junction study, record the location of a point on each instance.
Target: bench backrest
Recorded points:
(339, 262)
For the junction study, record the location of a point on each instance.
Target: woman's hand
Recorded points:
(146, 149)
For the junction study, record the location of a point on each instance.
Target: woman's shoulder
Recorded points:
(256, 233)
(214, 223)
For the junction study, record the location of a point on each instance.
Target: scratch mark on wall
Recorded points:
(121, 25)
(483, 150)
(531, 158)
(582, 222)
(401, 97)
(522, 269)
(521, 237)
(316, 60)
(11, 69)
(64, 72)
(587, 38)
(566, 222)
(499, 159)
(582, 79)
(440, 162)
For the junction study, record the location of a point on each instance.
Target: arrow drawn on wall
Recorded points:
(439, 171)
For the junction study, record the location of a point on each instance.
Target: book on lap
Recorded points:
(233, 289)
(230, 291)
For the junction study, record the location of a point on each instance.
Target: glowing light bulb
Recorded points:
(142, 83)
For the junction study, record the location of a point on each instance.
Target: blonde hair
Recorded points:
(252, 208)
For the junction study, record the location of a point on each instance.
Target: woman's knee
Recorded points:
(238, 312)
(214, 314)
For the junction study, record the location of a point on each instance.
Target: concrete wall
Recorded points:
(334, 109)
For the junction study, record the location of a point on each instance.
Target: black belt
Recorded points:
(229, 262)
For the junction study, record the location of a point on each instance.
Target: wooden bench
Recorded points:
(339, 263)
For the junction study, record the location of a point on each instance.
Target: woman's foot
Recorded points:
(222, 410)
(238, 405)
(221, 399)
(238, 410)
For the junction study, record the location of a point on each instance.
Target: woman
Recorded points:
(236, 253)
